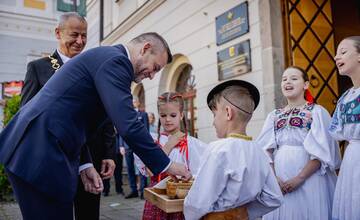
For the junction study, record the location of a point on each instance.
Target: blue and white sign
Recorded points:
(232, 24)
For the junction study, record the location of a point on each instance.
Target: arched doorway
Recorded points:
(185, 85)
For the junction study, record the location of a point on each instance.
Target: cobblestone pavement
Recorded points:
(113, 207)
(9, 211)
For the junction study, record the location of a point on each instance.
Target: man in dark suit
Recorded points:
(40, 146)
(71, 33)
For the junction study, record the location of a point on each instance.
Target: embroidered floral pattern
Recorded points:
(350, 112)
(295, 118)
(296, 122)
(280, 123)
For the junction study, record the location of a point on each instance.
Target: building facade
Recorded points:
(217, 40)
(27, 32)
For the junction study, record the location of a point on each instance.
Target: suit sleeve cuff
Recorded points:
(167, 167)
(85, 166)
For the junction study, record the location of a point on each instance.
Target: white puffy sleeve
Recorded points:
(268, 199)
(207, 187)
(319, 143)
(196, 151)
(266, 140)
(140, 165)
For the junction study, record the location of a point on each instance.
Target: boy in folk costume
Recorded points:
(234, 177)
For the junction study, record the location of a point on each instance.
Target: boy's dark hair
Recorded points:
(239, 98)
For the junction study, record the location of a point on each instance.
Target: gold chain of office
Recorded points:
(54, 63)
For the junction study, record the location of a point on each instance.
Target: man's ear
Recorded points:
(147, 46)
(57, 33)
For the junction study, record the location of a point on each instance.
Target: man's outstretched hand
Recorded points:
(92, 180)
(177, 169)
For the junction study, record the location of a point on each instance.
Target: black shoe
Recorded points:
(120, 193)
(106, 194)
(142, 196)
(132, 195)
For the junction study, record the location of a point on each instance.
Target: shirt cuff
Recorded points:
(85, 166)
(166, 168)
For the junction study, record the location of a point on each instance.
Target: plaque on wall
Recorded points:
(232, 24)
(68, 6)
(234, 60)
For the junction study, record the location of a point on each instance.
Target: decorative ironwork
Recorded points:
(311, 46)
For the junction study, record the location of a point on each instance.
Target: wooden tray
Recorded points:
(163, 202)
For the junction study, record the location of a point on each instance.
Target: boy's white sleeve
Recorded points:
(210, 181)
(268, 199)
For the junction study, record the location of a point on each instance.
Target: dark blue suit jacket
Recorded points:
(143, 117)
(41, 144)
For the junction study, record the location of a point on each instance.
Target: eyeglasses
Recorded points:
(237, 106)
(170, 97)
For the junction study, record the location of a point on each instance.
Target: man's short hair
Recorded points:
(156, 39)
(66, 16)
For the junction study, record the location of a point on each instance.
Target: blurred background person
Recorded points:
(129, 157)
(152, 126)
(118, 171)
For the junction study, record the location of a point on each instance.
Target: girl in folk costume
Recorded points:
(345, 125)
(177, 145)
(302, 152)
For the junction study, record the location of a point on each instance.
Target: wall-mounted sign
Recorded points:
(232, 24)
(68, 5)
(234, 60)
(12, 88)
(38, 4)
